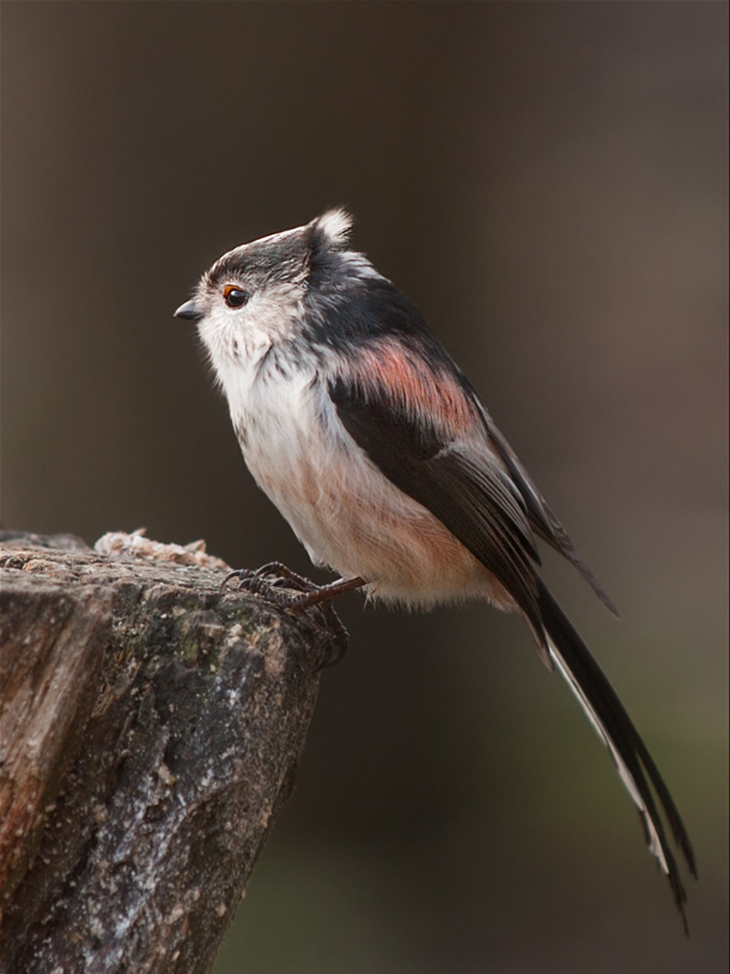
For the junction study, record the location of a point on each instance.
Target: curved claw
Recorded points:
(241, 573)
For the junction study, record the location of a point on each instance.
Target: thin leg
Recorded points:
(308, 593)
(325, 593)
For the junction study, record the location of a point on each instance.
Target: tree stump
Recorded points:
(150, 729)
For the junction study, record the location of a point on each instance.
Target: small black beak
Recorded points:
(188, 311)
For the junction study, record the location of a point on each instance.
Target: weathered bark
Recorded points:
(150, 727)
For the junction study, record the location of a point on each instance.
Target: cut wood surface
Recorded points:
(150, 729)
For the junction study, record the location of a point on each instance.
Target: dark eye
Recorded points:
(235, 297)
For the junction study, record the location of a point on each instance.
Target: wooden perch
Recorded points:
(150, 728)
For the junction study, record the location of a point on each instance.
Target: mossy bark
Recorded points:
(150, 729)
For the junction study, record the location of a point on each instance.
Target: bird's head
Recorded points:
(255, 294)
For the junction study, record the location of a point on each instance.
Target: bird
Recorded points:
(359, 426)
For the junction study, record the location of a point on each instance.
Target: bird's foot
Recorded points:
(274, 582)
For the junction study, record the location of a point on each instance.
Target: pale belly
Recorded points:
(351, 518)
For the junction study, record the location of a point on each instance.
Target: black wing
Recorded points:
(480, 507)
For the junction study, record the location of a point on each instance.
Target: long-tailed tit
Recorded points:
(355, 421)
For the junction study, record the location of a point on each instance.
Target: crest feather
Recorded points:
(335, 225)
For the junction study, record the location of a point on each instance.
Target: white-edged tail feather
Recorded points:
(615, 728)
(655, 845)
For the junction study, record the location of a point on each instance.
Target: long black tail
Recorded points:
(638, 771)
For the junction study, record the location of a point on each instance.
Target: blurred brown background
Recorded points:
(547, 182)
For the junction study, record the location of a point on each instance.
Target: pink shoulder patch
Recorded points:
(415, 386)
